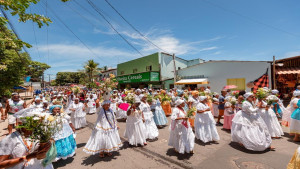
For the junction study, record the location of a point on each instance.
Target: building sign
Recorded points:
(140, 77)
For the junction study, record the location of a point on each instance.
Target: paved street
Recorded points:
(158, 154)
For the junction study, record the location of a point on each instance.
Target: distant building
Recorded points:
(107, 72)
(217, 74)
(287, 75)
(155, 70)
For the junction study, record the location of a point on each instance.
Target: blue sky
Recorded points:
(206, 29)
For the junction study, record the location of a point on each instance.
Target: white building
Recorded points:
(218, 74)
(106, 73)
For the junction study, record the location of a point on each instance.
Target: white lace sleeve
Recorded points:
(174, 114)
(7, 145)
(248, 108)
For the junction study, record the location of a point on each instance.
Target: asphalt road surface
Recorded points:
(158, 154)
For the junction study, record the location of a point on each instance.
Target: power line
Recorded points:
(100, 13)
(47, 32)
(78, 13)
(147, 39)
(71, 31)
(249, 18)
(36, 44)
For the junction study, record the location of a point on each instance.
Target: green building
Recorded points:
(156, 70)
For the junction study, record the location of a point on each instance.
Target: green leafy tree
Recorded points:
(64, 78)
(36, 70)
(91, 69)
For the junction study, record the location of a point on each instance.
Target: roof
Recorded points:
(210, 61)
(287, 70)
(290, 58)
(192, 81)
(108, 70)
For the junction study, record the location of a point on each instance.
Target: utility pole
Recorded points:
(174, 68)
(274, 73)
(49, 77)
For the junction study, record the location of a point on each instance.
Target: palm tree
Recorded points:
(90, 69)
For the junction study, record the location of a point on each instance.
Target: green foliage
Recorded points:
(36, 70)
(91, 68)
(43, 129)
(63, 78)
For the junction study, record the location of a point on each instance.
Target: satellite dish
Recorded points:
(250, 84)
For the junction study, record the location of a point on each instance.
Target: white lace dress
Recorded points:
(91, 109)
(14, 146)
(271, 120)
(105, 136)
(205, 125)
(151, 129)
(78, 116)
(135, 128)
(181, 137)
(249, 129)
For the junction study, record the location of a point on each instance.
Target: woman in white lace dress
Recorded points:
(205, 125)
(135, 128)
(270, 118)
(78, 114)
(249, 129)
(151, 129)
(105, 137)
(182, 138)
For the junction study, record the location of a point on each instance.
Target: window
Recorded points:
(179, 68)
(134, 70)
(240, 83)
(149, 68)
(122, 72)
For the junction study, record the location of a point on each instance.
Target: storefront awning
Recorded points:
(282, 71)
(192, 81)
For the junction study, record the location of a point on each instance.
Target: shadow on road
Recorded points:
(199, 142)
(172, 152)
(62, 163)
(243, 149)
(81, 145)
(93, 159)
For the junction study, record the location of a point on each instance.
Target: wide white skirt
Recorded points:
(103, 141)
(272, 122)
(121, 114)
(251, 131)
(91, 110)
(216, 110)
(295, 126)
(181, 137)
(135, 131)
(205, 127)
(151, 129)
(78, 122)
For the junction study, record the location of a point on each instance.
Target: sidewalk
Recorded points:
(4, 124)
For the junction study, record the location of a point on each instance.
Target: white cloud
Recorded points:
(291, 54)
(164, 39)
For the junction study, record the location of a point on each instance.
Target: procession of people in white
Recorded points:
(253, 123)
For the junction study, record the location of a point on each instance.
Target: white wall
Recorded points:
(218, 72)
(167, 65)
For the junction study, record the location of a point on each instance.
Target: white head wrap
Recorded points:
(106, 102)
(227, 98)
(179, 102)
(138, 90)
(141, 96)
(246, 95)
(137, 100)
(275, 91)
(296, 93)
(202, 98)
